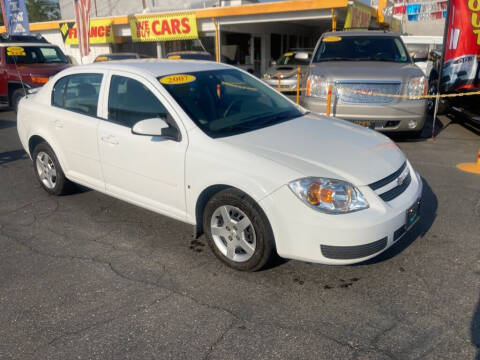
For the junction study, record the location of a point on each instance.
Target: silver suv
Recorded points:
(354, 62)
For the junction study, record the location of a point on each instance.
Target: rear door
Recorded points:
(74, 123)
(146, 170)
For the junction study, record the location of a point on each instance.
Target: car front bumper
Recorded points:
(388, 117)
(289, 84)
(306, 234)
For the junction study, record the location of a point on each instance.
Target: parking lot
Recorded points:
(87, 276)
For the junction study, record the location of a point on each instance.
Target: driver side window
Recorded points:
(129, 101)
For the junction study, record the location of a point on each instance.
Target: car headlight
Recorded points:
(328, 195)
(316, 86)
(417, 86)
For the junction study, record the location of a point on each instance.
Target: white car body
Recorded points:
(431, 42)
(111, 159)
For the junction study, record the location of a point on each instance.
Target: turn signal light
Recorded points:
(317, 194)
(39, 80)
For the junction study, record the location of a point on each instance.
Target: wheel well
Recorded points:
(202, 200)
(33, 142)
(11, 88)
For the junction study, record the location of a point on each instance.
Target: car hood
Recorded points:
(365, 70)
(314, 145)
(285, 69)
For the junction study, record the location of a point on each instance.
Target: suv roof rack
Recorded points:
(7, 38)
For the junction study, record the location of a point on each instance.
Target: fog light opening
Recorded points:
(412, 124)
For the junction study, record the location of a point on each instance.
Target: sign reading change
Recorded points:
(164, 27)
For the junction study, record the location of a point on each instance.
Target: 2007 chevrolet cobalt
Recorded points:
(213, 146)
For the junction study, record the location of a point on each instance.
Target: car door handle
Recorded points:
(58, 123)
(110, 139)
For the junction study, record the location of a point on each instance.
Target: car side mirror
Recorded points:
(433, 56)
(156, 127)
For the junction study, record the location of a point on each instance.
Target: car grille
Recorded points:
(347, 97)
(400, 184)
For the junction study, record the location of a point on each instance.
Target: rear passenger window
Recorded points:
(78, 93)
(129, 101)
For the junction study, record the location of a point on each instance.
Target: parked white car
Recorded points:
(213, 146)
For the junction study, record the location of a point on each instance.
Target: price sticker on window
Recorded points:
(177, 79)
(332, 39)
(16, 51)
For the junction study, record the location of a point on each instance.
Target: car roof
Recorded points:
(119, 53)
(154, 67)
(361, 33)
(26, 44)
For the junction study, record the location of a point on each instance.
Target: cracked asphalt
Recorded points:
(86, 276)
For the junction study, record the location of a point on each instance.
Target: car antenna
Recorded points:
(14, 57)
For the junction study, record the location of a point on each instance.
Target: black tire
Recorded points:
(432, 90)
(264, 247)
(61, 184)
(17, 95)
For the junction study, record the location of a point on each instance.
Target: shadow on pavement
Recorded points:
(475, 330)
(7, 124)
(428, 211)
(10, 156)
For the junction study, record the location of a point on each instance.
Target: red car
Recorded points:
(28, 59)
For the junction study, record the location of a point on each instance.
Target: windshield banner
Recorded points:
(101, 32)
(164, 27)
(462, 46)
(16, 16)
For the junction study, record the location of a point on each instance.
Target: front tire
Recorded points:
(238, 231)
(48, 171)
(17, 95)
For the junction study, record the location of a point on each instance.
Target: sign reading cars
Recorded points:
(164, 27)
(101, 32)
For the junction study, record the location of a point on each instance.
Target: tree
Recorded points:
(41, 10)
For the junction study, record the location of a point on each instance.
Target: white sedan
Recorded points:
(212, 146)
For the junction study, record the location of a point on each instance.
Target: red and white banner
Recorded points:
(462, 46)
(82, 18)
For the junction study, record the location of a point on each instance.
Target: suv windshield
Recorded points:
(228, 102)
(36, 55)
(361, 48)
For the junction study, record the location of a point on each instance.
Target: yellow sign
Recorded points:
(16, 51)
(101, 32)
(358, 17)
(177, 79)
(174, 57)
(288, 54)
(332, 39)
(164, 27)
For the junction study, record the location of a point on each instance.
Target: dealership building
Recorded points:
(245, 33)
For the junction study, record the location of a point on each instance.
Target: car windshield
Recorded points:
(361, 48)
(228, 102)
(289, 59)
(419, 51)
(35, 55)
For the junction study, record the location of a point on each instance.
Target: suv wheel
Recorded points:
(48, 171)
(16, 97)
(237, 230)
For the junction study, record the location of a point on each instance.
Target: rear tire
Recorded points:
(17, 95)
(48, 171)
(238, 231)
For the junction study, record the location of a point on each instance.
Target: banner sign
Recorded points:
(101, 32)
(164, 27)
(16, 16)
(358, 17)
(462, 46)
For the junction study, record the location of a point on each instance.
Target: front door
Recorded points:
(145, 170)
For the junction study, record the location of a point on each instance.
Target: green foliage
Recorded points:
(41, 10)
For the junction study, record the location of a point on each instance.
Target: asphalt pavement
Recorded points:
(86, 276)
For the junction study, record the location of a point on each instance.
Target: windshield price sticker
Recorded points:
(332, 39)
(16, 51)
(288, 54)
(177, 79)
